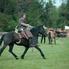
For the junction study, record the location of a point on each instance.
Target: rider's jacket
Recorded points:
(22, 23)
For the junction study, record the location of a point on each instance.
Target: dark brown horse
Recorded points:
(12, 38)
(51, 36)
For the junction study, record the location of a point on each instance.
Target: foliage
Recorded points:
(32, 15)
(8, 18)
(11, 10)
(67, 13)
(62, 13)
(7, 23)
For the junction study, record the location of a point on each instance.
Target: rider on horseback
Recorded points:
(24, 31)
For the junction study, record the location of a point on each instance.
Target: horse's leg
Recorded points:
(40, 51)
(54, 40)
(44, 39)
(2, 49)
(6, 42)
(41, 39)
(10, 50)
(26, 49)
(51, 41)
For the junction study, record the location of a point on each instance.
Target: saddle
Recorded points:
(53, 32)
(21, 35)
(17, 31)
(28, 33)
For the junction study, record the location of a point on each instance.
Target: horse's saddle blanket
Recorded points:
(29, 34)
(20, 35)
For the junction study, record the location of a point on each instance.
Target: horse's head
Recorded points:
(42, 30)
(39, 29)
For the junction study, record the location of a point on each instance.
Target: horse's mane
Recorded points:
(35, 29)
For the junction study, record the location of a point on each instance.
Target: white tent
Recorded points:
(66, 27)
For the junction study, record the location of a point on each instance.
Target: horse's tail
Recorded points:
(49, 35)
(2, 38)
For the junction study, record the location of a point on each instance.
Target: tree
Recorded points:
(37, 7)
(8, 12)
(67, 13)
(50, 18)
(62, 15)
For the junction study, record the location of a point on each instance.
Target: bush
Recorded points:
(7, 22)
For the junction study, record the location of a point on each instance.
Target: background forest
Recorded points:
(11, 10)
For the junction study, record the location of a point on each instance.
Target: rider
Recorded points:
(24, 31)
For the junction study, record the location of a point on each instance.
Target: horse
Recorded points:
(12, 38)
(51, 35)
(58, 33)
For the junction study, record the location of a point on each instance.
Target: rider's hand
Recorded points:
(27, 25)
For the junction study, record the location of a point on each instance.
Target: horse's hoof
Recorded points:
(22, 57)
(44, 57)
(17, 58)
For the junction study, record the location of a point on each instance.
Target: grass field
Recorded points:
(57, 57)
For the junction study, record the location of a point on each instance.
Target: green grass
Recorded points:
(57, 57)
